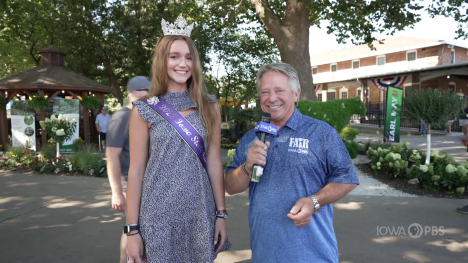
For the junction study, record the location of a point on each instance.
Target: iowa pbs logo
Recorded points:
(395, 93)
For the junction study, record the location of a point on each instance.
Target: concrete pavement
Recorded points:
(49, 218)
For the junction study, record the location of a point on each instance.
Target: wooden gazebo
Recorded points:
(50, 79)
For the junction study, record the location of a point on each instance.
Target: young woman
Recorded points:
(175, 206)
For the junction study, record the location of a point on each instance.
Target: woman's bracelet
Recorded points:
(245, 170)
(133, 234)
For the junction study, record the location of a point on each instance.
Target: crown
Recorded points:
(180, 27)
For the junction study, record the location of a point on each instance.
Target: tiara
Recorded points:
(180, 27)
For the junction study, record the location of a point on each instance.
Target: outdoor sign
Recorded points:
(224, 126)
(392, 119)
(69, 108)
(23, 127)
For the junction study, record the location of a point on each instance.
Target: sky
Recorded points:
(439, 28)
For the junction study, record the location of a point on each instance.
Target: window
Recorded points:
(359, 93)
(330, 95)
(319, 97)
(333, 69)
(356, 65)
(452, 57)
(411, 59)
(453, 87)
(343, 93)
(406, 88)
(314, 70)
(381, 64)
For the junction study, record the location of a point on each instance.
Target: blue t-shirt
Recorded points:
(303, 157)
(103, 121)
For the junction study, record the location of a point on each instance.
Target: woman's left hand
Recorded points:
(221, 234)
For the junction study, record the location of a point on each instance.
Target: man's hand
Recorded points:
(301, 212)
(256, 154)
(118, 202)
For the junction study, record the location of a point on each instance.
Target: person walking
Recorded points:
(176, 208)
(102, 120)
(423, 128)
(118, 150)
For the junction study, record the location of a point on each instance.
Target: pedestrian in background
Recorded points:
(118, 150)
(102, 120)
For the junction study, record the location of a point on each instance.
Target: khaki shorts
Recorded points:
(463, 122)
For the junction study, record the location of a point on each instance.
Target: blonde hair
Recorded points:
(159, 80)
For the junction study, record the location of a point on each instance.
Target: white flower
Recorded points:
(417, 156)
(60, 117)
(47, 120)
(53, 118)
(60, 132)
(54, 129)
(435, 153)
(153, 100)
(423, 167)
(342, 104)
(67, 117)
(378, 164)
(397, 156)
(450, 169)
(75, 119)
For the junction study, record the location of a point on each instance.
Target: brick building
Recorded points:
(407, 62)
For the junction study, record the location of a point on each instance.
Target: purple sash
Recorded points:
(183, 127)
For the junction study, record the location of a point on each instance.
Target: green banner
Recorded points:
(392, 120)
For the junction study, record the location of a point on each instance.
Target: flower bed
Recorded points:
(443, 173)
(85, 162)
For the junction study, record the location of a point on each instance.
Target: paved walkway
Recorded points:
(49, 218)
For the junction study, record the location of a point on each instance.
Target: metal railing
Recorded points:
(375, 116)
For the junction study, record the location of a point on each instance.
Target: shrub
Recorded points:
(335, 112)
(230, 155)
(348, 133)
(353, 148)
(442, 174)
(88, 161)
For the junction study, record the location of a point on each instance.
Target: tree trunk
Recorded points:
(292, 38)
(113, 80)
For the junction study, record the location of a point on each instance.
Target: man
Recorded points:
(463, 122)
(102, 120)
(117, 152)
(306, 168)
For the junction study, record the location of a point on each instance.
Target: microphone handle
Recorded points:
(257, 170)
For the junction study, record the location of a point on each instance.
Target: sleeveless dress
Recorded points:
(177, 209)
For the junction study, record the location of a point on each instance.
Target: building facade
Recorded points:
(405, 62)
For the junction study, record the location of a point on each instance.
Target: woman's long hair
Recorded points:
(159, 80)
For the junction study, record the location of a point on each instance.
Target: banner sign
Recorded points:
(23, 128)
(392, 119)
(70, 108)
(384, 83)
(266, 127)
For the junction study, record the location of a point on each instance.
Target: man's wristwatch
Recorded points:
(316, 204)
(131, 227)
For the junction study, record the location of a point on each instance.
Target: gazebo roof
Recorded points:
(51, 75)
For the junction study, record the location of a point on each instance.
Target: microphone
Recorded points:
(263, 127)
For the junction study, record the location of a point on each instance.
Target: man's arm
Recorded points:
(114, 174)
(236, 179)
(301, 212)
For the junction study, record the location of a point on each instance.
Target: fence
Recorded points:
(376, 113)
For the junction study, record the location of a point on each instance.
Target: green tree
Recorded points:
(434, 106)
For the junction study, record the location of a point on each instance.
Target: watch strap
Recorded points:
(316, 204)
(131, 227)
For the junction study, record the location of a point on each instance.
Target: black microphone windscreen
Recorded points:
(266, 117)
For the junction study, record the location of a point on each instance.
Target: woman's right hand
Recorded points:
(135, 249)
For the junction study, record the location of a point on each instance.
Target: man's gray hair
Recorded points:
(280, 67)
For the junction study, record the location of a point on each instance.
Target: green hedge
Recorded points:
(335, 112)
